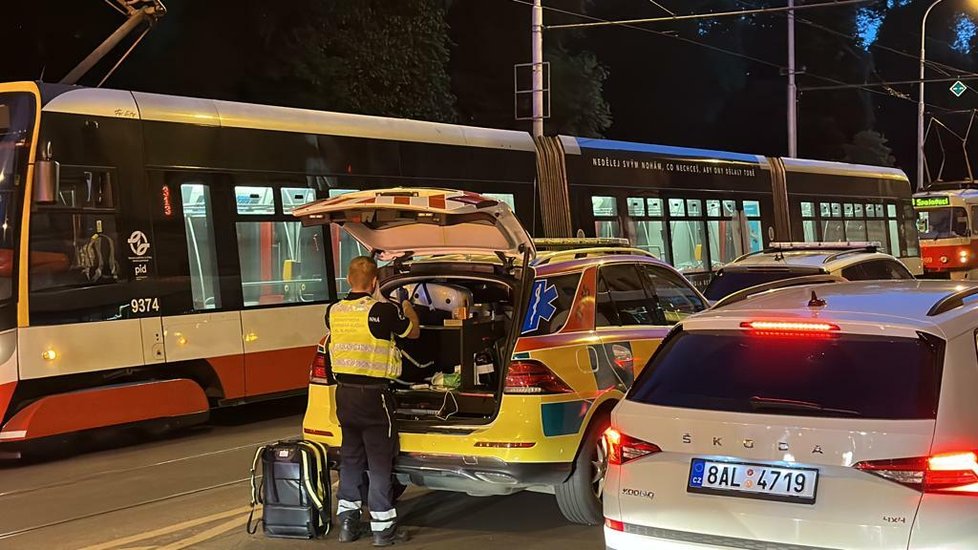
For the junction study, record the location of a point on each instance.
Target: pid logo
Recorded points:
(138, 243)
(141, 269)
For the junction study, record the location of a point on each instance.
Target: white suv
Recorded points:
(840, 415)
(854, 261)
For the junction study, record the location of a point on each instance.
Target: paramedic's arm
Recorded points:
(415, 330)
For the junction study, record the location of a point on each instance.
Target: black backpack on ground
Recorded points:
(294, 490)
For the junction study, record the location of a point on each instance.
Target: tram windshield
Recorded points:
(16, 127)
(942, 223)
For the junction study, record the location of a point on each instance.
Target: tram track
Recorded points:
(118, 490)
(118, 471)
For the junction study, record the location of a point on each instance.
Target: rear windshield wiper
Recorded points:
(774, 404)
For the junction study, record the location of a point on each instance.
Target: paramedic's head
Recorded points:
(362, 274)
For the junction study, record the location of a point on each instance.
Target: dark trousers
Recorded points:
(366, 416)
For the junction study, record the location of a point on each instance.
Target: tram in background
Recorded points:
(948, 227)
(150, 267)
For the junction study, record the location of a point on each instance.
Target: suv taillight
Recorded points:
(532, 377)
(623, 448)
(941, 473)
(319, 369)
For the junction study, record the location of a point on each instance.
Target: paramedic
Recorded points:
(364, 360)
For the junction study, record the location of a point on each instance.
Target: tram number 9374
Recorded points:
(144, 305)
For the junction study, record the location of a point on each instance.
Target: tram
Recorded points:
(948, 227)
(151, 268)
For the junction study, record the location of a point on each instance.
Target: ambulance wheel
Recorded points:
(580, 496)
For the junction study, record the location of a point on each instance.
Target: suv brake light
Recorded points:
(623, 448)
(940, 473)
(790, 328)
(532, 377)
(319, 370)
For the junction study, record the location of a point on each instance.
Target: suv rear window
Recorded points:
(726, 283)
(849, 375)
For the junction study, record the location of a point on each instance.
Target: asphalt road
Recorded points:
(191, 490)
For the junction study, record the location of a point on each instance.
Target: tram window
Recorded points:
(85, 188)
(807, 210)
(858, 210)
(294, 197)
(654, 206)
(825, 209)
(201, 248)
(508, 199)
(891, 210)
(254, 201)
(752, 209)
(910, 230)
(808, 227)
(836, 210)
(677, 207)
(974, 220)
(688, 237)
(726, 242)
(855, 230)
(833, 231)
(74, 250)
(713, 209)
(636, 206)
(281, 262)
(650, 235)
(603, 206)
(694, 207)
(346, 248)
(607, 228)
(876, 231)
(847, 209)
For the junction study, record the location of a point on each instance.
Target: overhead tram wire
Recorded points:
(721, 50)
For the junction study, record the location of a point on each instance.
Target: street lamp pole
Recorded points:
(537, 67)
(920, 97)
(792, 87)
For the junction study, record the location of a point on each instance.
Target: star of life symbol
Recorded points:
(542, 306)
(138, 243)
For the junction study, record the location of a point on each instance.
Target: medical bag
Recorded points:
(293, 487)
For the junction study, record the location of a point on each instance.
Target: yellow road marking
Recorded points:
(213, 532)
(171, 529)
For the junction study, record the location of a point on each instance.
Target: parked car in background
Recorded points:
(850, 261)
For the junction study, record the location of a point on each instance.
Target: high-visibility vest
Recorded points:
(353, 349)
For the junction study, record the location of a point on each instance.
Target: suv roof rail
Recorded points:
(952, 301)
(844, 247)
(579, 253)
(746, 293)
(569, 243)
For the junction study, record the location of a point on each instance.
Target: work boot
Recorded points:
(349, 526)
(390, 536)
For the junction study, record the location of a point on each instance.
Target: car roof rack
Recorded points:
(580, 253)
(551, 244)
(846, 247)
(952, 301)
(746, 293)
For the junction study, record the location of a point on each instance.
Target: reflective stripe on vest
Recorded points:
(353, 349)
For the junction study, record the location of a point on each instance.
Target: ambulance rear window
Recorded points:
(844, 375)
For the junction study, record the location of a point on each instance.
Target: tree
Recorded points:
(380, 57)
(869, 147)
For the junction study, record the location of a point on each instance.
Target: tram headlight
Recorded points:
(963, 256)
(49, 355)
